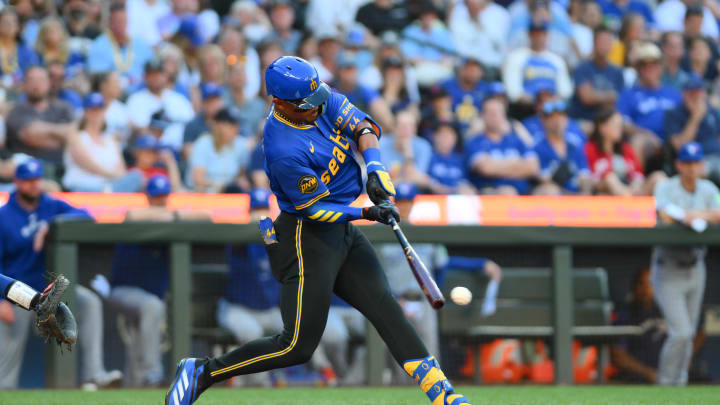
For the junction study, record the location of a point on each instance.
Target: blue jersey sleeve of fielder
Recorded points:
(345, 116)
(305, 190)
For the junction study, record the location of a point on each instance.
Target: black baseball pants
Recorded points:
(312, 260)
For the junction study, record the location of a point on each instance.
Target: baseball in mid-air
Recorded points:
(461, 295)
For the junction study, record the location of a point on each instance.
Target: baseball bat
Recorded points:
(421, 273)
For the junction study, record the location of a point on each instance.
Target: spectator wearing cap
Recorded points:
(249, 308)
(521, 14)
(534, 123)
(118, 51)
(251, 110)
(282, 18)
(26, 219)
(406, 155)
(615, 168)
(447, 169)
(480, 29)
(139, 278)
(387, 55)
(614, 11)
(429, 45)
(533, 67)
(117, 117)
(379, 16)
(151, 159)
(155, 96)
(188, 38)
(497, 161)
(670, 14)
(468, 90)
(212, 102)
(93, 159)
(563, 163)
(366, 99)
(678, 274)
(643, 106)
(20, 56)
(397, 90)
(597, 82)
(168, 134)
(560, 32)
(40, 126)
(695, 120)
(673, 50)
(219, 158)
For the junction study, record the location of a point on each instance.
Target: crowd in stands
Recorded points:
(474, 96)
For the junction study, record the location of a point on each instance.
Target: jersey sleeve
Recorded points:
(298, 182)
(345, 117)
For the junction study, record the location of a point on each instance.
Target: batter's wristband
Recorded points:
(372, 160)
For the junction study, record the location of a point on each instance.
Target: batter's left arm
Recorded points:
(379, 186)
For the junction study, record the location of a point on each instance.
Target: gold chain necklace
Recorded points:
(121, 64)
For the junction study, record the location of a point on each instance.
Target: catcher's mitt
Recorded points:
(54, 319)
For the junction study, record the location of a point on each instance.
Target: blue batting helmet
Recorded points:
(295, 80)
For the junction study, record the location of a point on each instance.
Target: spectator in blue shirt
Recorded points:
(534, 123)
(117, 50)
(406, 155)
(447, 169)
(140, 279)
(429, 45)
(365, 98)
(467, 90)
(212, 102)
(643, 106)
(563, 163)
(498, 162)
(695, 120)
(597, 82)
(250, 308)
(615, 10)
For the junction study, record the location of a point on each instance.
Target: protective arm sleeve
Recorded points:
(330, 212)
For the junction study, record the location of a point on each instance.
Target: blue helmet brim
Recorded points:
(317, 98)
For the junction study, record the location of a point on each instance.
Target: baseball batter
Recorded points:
(678, 273)
(309, 138)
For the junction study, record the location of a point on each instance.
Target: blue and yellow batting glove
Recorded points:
(379, 186)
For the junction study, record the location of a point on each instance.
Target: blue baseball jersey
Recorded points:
(574, 156)
(18, 259)
(538, 73)
(448, 170)
(614, 13)
(251, 282)
(534, 125)
(142, 266)
(646, 107)
(509, 147)
(306, 163)
(603, 78)
(466, 104)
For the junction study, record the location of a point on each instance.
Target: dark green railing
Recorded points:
(64, 238)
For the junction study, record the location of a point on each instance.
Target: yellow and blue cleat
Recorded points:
(185, 388)
(427, 373)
